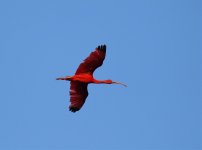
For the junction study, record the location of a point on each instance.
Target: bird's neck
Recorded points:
(102, 81)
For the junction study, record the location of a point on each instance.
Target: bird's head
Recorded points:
(113, 82)
(108, 81)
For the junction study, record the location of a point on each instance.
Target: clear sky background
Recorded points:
(154, 46)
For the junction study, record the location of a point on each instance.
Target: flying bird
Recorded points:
(83, 76)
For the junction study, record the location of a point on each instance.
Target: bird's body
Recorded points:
(84, 76)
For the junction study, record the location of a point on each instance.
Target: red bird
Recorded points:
(84, 76)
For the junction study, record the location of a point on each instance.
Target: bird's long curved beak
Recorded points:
(120, 83)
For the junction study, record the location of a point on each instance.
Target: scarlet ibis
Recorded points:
(84, 76)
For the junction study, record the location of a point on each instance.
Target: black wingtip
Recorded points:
(102, 47)
(73, 109)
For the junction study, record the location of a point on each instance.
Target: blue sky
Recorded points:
(153, 46)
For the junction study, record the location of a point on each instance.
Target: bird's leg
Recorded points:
(64, 78)
(61, 78)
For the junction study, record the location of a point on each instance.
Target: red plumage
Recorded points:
(78, 94)
(93, 61)
(78, 90)
(84, 76)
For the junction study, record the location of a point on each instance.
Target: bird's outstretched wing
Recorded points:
(78, 94)
(93, 61)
